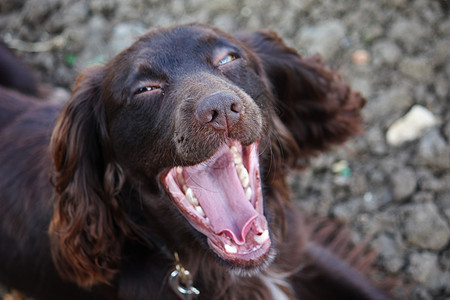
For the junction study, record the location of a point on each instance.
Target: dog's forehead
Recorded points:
(183, 42)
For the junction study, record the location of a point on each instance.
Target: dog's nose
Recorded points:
(221, 110)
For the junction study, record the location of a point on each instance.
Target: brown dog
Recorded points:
(180, 144)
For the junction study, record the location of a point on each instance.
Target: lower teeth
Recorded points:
(230, 248)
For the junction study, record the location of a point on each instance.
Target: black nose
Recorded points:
(221, 110)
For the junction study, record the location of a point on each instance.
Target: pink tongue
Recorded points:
(220, 193)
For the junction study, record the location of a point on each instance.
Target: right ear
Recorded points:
(313, 103)
(88, 222)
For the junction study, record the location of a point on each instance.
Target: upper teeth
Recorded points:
(241, 171)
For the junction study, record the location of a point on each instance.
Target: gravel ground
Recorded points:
(392, 184)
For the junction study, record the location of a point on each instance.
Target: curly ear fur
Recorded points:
(312, 101)
(88, 223)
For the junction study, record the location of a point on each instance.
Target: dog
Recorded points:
(164, 174)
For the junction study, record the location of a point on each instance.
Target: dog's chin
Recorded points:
(222, 199)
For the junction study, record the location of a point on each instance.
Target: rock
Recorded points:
(411, 126)
(424, 227)
(408, 32)
(421, 265)
(386, 52)
(397, 98)
(76, 13)
(224, 21)
(362, 85)
(94, 45)
(300, 4)
(420, 293)
(123, 35)
(324, 38)
(434, 151)
(404, 183)
(376, 142)
(424, 268)
(345, 212)
(418, 68)
(390, 256)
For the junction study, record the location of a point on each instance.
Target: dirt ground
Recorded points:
(391, 184)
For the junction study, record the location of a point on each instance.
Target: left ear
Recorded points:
(88, 222)
(311, 100)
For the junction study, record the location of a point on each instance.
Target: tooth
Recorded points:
(194, 201)
(199, 209)
(180, 175)
(180, 179)
(263, 237)
(234, 149)
(230, 248)
(249, 193)
(237, 158)
(189, 194)
(243, 176)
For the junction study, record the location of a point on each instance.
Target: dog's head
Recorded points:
(211, 118)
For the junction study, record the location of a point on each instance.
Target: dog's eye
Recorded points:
(146, 89)
(227, 59)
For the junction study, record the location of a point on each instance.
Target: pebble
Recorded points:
(389, 253)
(411, 126)
(434, 151)
(396, 98)
(324, 38)
(386, 52)
(409, 32)
(417, 68)
(123, 35)
(424, 227)
(404, 183)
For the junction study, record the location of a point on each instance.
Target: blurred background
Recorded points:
(391, 185)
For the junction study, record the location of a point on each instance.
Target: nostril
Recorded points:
(236, 107)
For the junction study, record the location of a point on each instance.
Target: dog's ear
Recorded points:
(312, 101)
(87, 223)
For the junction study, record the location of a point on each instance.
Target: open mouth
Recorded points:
(222, 198)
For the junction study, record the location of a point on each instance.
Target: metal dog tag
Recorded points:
(184, 290)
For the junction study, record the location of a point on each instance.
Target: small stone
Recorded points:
(434, 151)
(424, 268)
(397, 98)
(408, 32)
(418, 68)
(411, 126)
(424, 227)
(404, 183)
(386, 52)
(390, 255)
(376, 141)
(421, 265)
(361, 57)
(123, 35)
(324, 38)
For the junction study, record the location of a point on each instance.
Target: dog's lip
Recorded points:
(241, 237)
